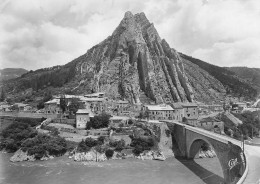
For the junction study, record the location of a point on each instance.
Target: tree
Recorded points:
(47, 96)
(130, 122)
(101, 139)
(74, 105)
(109, 153)
(120, 145)
(91, 142)
(143, 115)
(82, 147)
(63, 104)
(2, 96)
(40, 105)
(141, 144)
(99, 121)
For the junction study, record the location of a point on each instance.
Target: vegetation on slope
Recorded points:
(22, 134)
(55, 76)
(249, 128)
(251, 123)
(252, 75)
(233, 84)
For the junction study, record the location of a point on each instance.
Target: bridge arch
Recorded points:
(223, 152)
(195, 146)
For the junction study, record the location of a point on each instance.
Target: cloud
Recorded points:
(36, 34)
(223, 32)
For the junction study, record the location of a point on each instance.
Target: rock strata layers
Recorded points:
(135, 61)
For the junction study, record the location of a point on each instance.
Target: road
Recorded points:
(253, 153)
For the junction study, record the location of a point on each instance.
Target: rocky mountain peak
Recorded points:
(135, 64)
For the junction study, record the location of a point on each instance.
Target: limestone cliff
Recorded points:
(135, 62)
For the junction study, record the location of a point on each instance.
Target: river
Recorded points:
(64, 171)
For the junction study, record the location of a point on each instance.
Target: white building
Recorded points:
(83, 117)
(160, 112)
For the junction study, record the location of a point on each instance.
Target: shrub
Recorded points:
(118, 145)
(109, 153)
(99, 121)
(82, 147)
(91, 142)
(138, 149)
(15, 134)
(101, 139)
(141, 144)
(43, 144)
(85, 146)
(130, 122)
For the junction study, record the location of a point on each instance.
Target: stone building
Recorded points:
(122, 108)
(83, 117)
(159, 112)
(52, 106)
(191, 112)
(178, 111)
(210, 124)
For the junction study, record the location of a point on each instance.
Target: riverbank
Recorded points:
(94, 156)
(127, 171)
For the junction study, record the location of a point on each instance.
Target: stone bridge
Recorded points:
(190, 139)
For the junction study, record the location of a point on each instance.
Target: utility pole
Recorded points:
(252, 132)
(243, 143)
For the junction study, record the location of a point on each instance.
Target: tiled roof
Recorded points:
(85, 111)
(162, 107)
(189, 105)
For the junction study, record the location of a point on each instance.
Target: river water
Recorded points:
(130, 171)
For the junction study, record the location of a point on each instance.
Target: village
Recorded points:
(71, 114)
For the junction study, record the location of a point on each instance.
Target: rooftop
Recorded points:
(92, 99)
(119, 118)
(53, 101)
(21, 104)
(189, 105)
(85, 111)
(162, 107)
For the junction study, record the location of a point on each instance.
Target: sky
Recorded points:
(44, 33)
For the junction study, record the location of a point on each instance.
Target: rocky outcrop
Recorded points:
(134, 60)
(22, 156)
(152, 155)
(89, 156)
(165, 143)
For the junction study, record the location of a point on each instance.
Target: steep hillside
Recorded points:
(251, 75)
(206, 88)
(232, 83)
(10, 73)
